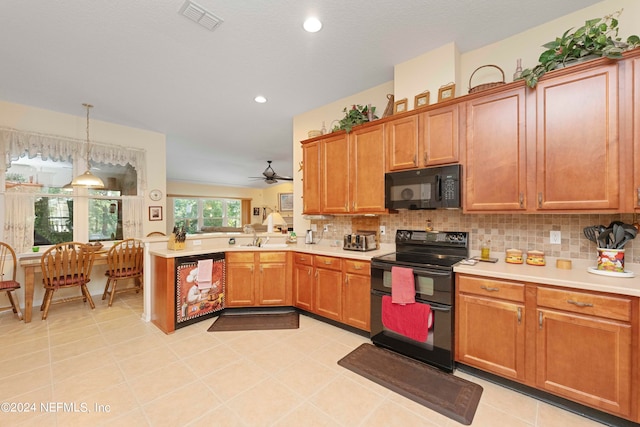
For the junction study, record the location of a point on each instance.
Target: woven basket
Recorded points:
(485, 86)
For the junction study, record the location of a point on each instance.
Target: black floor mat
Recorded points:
(256, 321)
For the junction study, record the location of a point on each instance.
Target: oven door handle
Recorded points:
(434, 306)
(416, 270)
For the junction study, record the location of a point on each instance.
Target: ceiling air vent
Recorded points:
(199, 14)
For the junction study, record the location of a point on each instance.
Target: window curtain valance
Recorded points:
(15, 144)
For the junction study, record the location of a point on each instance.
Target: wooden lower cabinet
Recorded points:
(574, 344)
(303, 280)
(583, 348)
(258, 279)
(328, 287)
(491, 326)
(357, 294)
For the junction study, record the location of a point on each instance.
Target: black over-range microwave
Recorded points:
(429, 188)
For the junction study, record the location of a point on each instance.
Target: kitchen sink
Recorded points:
(274, 245)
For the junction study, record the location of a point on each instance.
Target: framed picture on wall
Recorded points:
(155, 213)
(285, 202)
(256, 211)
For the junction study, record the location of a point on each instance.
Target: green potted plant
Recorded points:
(596, 38)
(356, 115)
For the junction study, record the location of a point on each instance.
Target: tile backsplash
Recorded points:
(505, 231)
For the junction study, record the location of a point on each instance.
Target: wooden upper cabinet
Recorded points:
(367, 169)
(311, 178)
(402, 143)
(334, 173)
(634, 105)
(495, 161)
(577, 141)
(438, 136)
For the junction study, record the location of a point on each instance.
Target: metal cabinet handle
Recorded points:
(252, 268)
(521, 199)
(261, 269)
(638, 196)
(489, 288)
(346, 280)
(539, 200)
(540, 319)
(519, 315)
(415, 160)
(328, 262)
(309, 272)
(426, 158)
(580, 304)
(357, 267)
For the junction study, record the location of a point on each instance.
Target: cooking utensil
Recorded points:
(592, 233)
(618, 234)
(604, 239)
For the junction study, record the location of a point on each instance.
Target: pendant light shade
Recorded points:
(87, 179)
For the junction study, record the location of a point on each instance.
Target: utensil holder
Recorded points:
(175, 245)
(611, 260)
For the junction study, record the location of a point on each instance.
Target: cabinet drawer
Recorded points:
(357, 267)
(239, 256)
(611, 307)
(511, 291)
(272, 256)
(304, 259)
(328, 263)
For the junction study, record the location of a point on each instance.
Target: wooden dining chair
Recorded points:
(8, 281)
(124, 261)
(66, 265)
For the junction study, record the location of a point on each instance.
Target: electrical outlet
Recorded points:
(325, 228)
(555, 237)
(383, 230)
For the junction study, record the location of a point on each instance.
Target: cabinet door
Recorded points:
(328, 293)
(439, 136)
(272, 284)
(334, 171)
(496, 152)
(585, 359)
(367, 169)
(311, 178)
(635, 106)
(357, 301)
(303, 287)
(240, 284)
(577, 141)
(491, 335)
(402, 143)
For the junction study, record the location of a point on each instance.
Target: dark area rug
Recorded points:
(255, 321)
(444, 393)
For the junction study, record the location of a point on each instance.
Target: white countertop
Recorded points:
(319, 249)
(578, 277)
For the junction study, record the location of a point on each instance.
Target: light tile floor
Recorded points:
(115, 369)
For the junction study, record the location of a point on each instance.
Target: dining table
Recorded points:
(30, 263)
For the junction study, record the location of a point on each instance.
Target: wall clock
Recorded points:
(155, 195)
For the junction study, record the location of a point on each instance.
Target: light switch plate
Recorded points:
(555, 237)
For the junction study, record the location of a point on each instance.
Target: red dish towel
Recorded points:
(403, 288)
(411, 320)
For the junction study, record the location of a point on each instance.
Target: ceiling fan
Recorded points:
(270, 176)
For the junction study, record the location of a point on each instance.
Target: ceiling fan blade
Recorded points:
(284, 178)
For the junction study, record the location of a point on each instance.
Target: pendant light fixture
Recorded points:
(87, 179)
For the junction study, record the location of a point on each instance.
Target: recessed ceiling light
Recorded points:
(260, 99)
(312, 25)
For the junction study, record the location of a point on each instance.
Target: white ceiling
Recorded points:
(144, 65)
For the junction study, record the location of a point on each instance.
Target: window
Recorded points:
(55, 202)
(195, 213)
